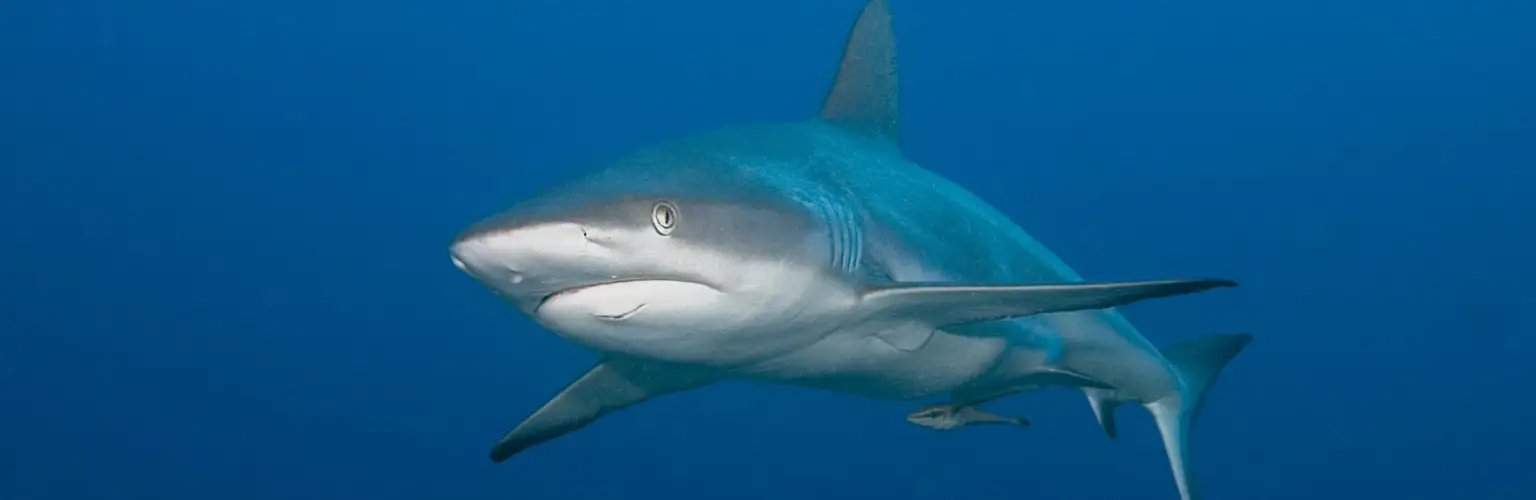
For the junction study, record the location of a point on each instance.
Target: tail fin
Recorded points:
(1197, 363)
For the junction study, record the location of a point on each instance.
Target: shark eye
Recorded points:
(664, 217)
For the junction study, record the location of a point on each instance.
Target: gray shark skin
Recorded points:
(813, 253)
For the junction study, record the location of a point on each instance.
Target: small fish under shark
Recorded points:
(949, 416)
(814, 253)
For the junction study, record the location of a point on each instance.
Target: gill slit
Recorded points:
(845, 236)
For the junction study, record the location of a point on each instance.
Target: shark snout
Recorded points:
(506, 256)
(482, 263)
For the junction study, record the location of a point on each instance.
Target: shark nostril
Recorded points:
(513, 275)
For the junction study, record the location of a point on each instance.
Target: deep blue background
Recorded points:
(224, 271)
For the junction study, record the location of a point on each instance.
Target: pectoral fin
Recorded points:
(945, 304)
(609, 386)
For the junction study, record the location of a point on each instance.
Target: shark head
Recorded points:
(665, 254)
(702, 250)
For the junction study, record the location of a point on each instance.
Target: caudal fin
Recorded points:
(1197, 362)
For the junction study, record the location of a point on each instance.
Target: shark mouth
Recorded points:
(575, 289)
(619, 300)
(623, 315)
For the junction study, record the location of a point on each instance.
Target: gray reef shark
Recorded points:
(814, 253)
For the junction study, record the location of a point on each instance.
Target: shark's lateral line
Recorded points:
(814, 253)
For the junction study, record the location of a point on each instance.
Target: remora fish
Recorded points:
(950, 416)
(814, 253)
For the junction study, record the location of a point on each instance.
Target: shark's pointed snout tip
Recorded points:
(459, 249)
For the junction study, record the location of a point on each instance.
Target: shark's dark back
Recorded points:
(906, 214)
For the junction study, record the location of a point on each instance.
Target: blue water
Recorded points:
(224, 271)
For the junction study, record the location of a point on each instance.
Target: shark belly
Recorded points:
(852, 360)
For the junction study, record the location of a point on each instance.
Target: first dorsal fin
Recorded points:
(863, 97)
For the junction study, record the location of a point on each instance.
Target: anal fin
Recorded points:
(609, 386)
(1104, 402)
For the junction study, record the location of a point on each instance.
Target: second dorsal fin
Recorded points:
(863, 96)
